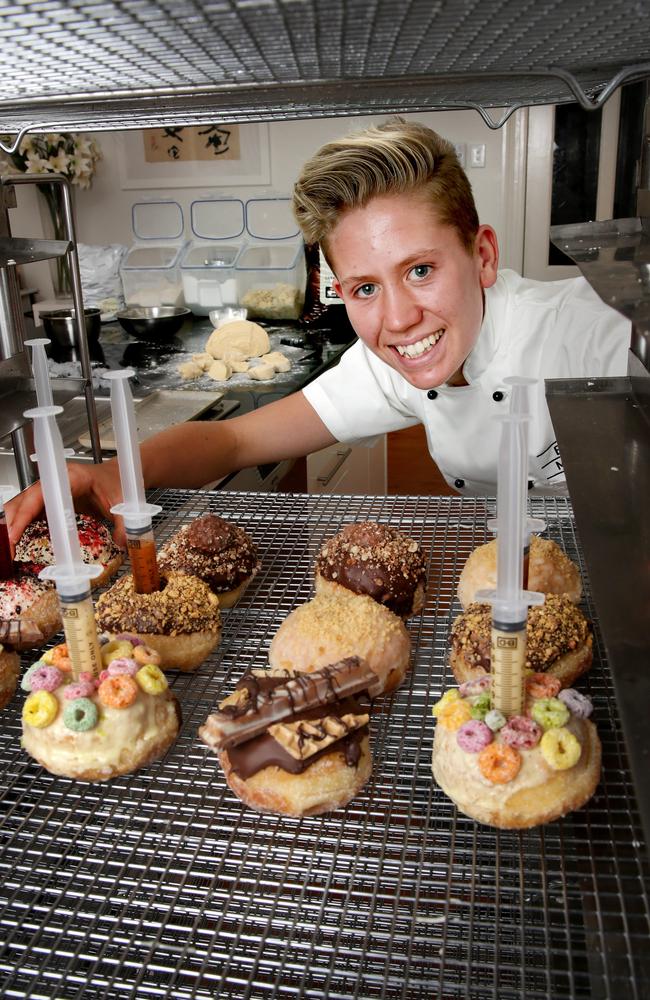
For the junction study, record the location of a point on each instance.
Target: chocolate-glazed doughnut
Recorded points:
(216, 551)
(181, 621)
(558, 641)
(377, 560)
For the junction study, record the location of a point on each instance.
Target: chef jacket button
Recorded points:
(531, 483)
(497, 396)
(432, 394)
(459, 483)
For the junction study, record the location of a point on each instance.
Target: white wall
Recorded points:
(103, 214)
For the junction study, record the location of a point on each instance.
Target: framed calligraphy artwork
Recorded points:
(197, 156)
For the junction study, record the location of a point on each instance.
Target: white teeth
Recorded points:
(414, 350)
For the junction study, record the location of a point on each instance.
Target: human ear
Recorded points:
(486, 248)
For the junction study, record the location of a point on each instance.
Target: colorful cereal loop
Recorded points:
(473, 736)
(151, 679)
(578, 704)
(454, 715)
(40, 709)
(560, 749)
(26, 682)
(499, 763)
(80, 715)
(114, 649)
(550, 713)
(542, 686)
(449, 696)
(118, 692)
(480, 706)
(46, 678)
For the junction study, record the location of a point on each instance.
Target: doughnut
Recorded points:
(29, 611)
(377, 560)
(333, 626)
(298, 744)
(34, 548)
(518, 772)
(9, 673)
(558, 641)
(550, 571)
(72, 728)
(181, 621)
(217, 551)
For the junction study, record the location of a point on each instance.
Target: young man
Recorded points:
(439, 330)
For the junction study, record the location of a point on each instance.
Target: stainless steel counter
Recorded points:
(163, 885)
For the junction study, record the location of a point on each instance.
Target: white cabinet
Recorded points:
(344, 468)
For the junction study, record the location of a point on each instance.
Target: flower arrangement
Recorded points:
(73, 156)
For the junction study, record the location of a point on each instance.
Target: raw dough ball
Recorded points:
(233, 355)
(278, 361)
(219, 371)
(204, 360)
(262, 372)
(240, 335)
(239, 366)
(190, 369)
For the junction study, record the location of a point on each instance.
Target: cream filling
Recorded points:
(420, 346)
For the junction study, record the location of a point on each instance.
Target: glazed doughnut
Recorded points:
(9, 673)
(295, 745)
(80, 729)
(333, 626)
(519, 772)
(558, 641)
(34, 547)
(377, 560)
(217, 551)
(29, 611)
(181, 621)
(550, 571)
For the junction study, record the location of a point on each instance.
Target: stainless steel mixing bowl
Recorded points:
(60, 325)
(153, 322)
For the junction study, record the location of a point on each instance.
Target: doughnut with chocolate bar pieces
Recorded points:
(296, 745)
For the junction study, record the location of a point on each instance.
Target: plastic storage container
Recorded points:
(150, 271)
(271, 273)
(208, 262)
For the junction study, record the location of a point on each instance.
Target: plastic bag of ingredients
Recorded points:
(99, 267)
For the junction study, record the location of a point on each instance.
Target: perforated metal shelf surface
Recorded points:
(97, 64)
(162, 884)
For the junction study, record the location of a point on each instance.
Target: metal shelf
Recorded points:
(162, 884)
(114, 65)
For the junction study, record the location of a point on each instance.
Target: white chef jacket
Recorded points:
(538, 329)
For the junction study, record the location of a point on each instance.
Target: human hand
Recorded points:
(94, 488)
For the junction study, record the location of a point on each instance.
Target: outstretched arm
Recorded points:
(190, 455)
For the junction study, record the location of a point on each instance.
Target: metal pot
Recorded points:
(60, 326)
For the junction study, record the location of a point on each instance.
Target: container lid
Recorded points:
(217, 218)
(273, 256)
(204, 255)
(157, 220)
(151, 258)
(271, 219)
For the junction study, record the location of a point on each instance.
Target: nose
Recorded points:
(401, 310)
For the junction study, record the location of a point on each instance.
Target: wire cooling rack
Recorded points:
(162, 884)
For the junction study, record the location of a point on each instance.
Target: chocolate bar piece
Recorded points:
(241, 718)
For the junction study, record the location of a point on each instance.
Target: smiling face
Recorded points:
(413, 292)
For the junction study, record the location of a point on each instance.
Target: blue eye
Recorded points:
(421, 270)
(365, 290)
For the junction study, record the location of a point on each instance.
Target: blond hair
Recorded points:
(397, 157)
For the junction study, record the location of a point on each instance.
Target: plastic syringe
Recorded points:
(135, 509)
(70, 574)
(41, 373)
(519, 405)
(510, 601)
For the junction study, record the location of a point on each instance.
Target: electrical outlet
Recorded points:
(477, 154)
(461, 153)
